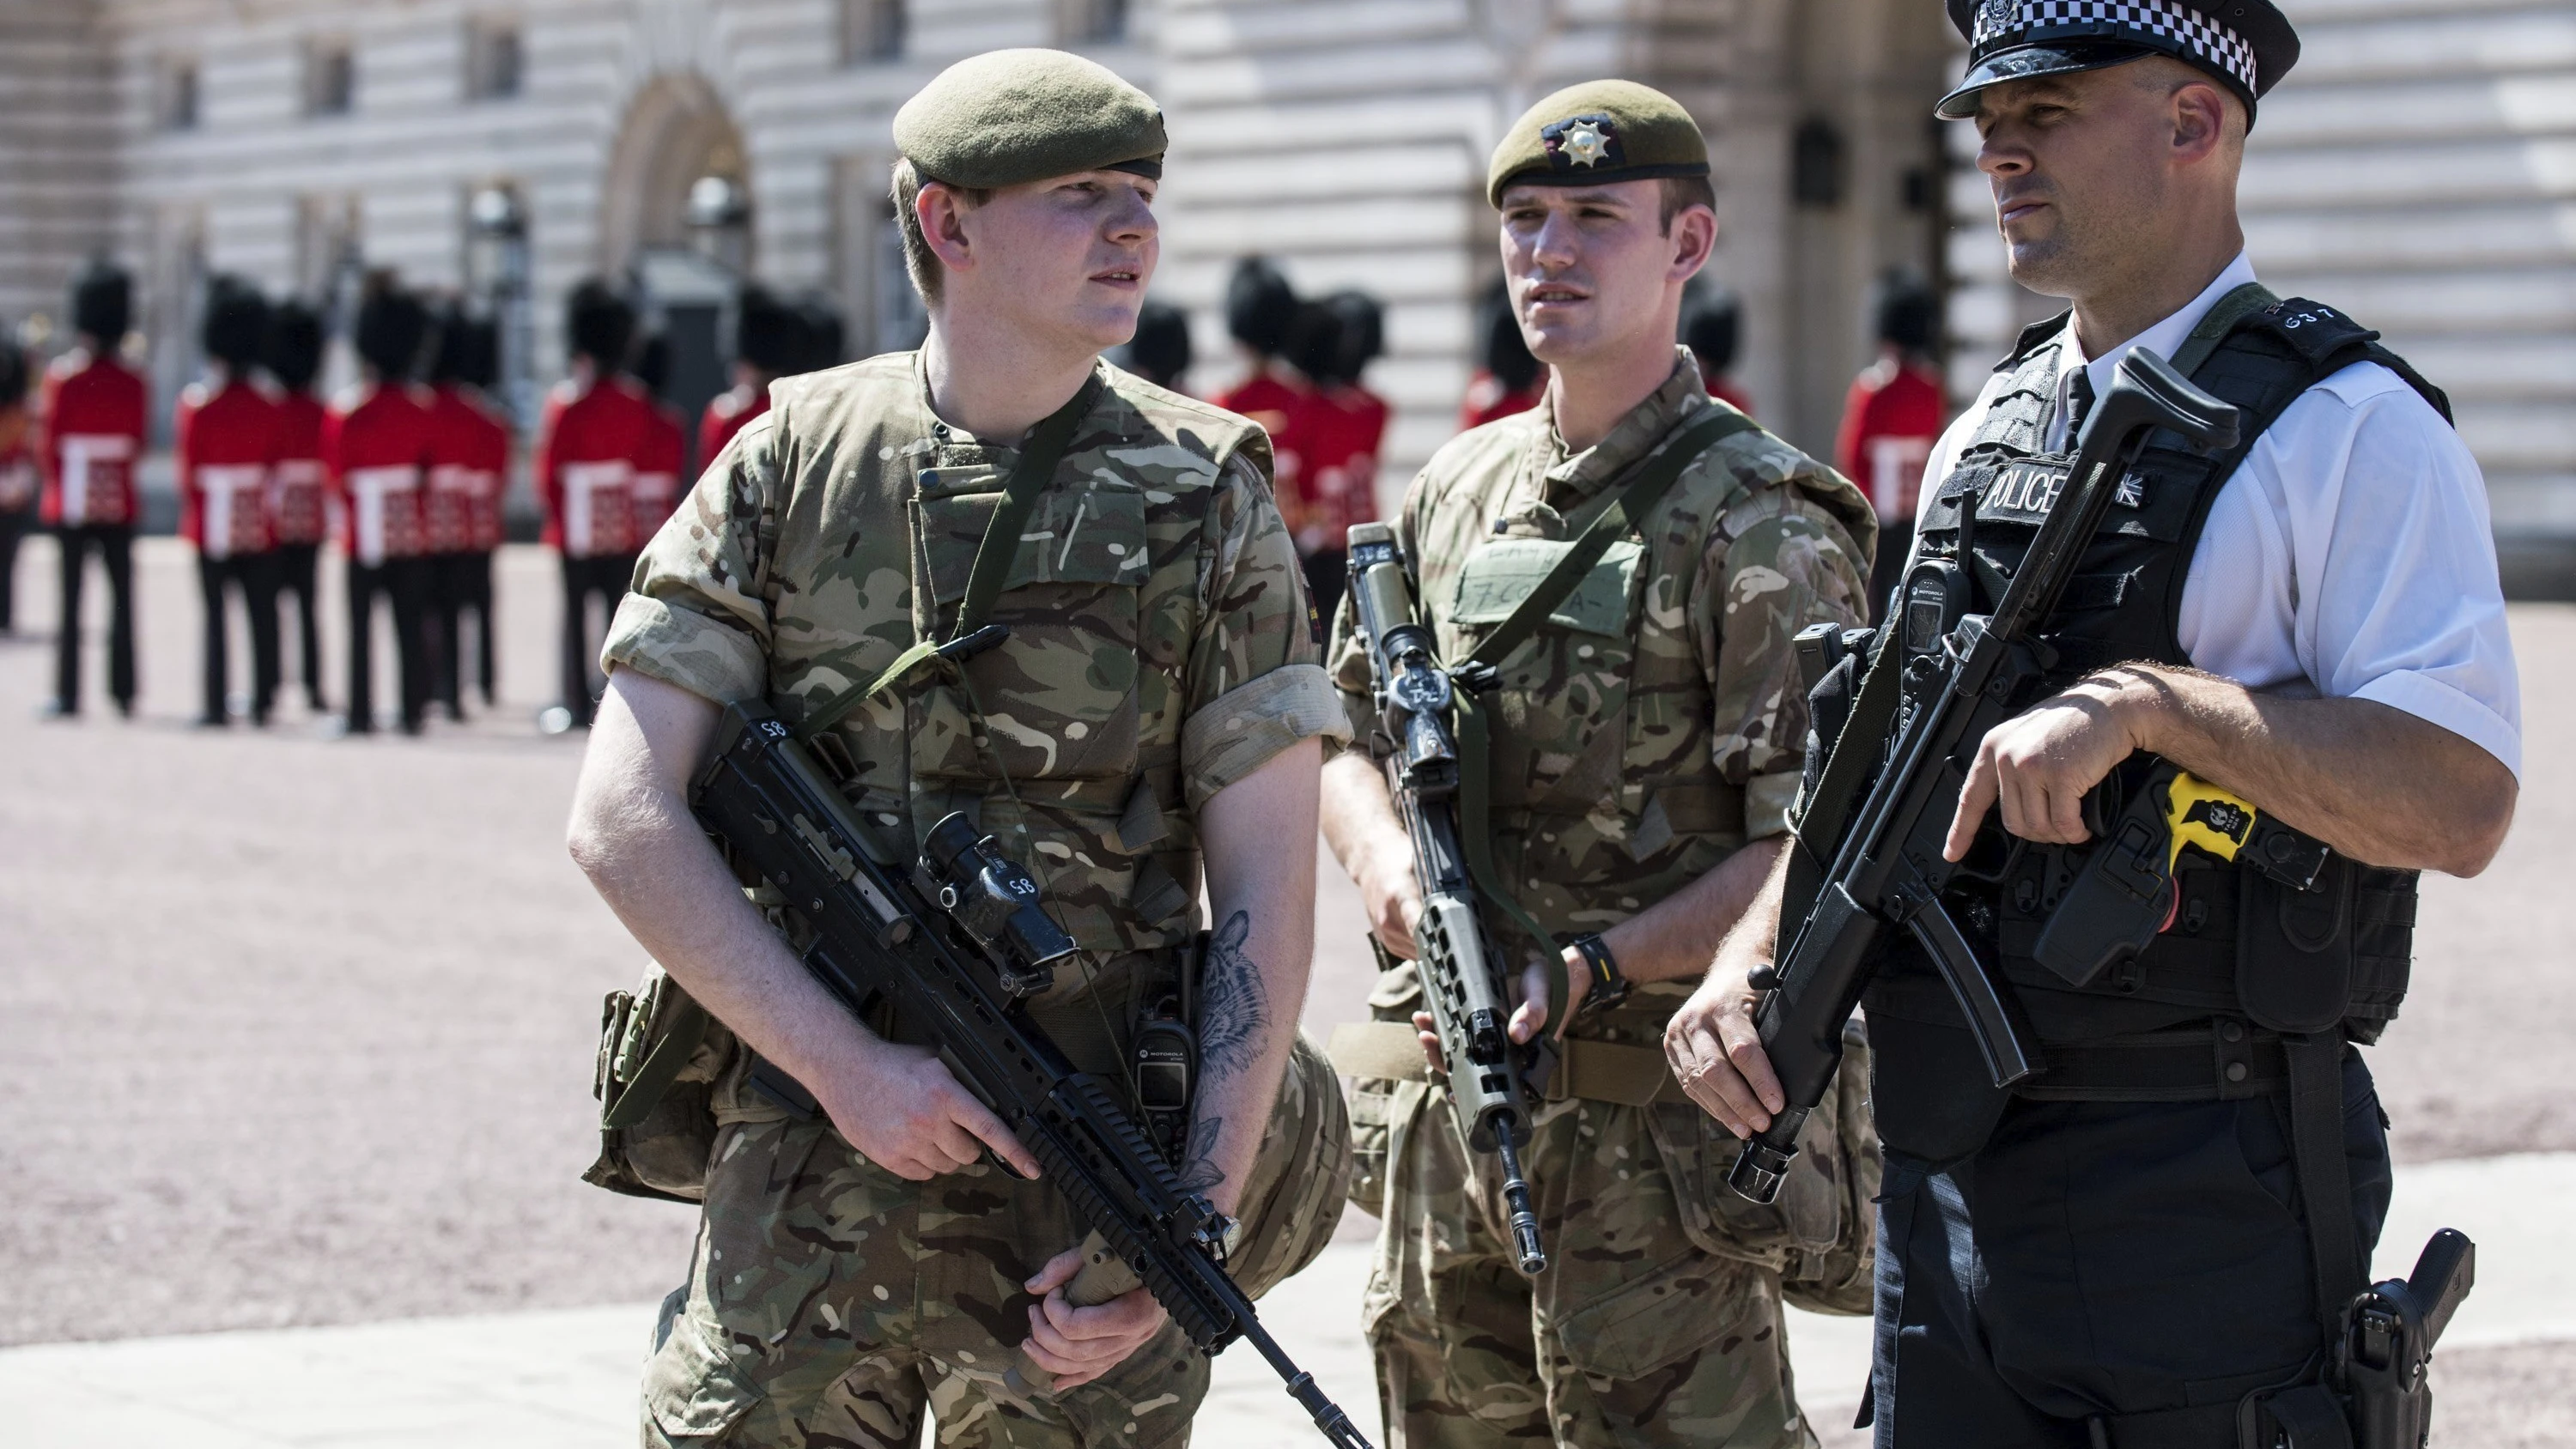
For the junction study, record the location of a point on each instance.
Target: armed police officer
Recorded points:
(2154, 1240)
(1154, 711)
(1646, 745)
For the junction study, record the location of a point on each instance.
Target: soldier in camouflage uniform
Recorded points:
(1156, 708)
(1647, 744)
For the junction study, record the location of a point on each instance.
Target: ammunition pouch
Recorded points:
(660, 1054)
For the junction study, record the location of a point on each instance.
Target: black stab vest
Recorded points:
(2245, 958)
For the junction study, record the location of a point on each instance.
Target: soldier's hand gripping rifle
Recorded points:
(1888, 873)
(1488, 1074)
(958, 944)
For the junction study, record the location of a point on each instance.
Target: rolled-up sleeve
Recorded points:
(1782, 563)
(695, 615)
(1256, 684)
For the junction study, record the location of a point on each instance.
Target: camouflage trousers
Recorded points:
(1635, 1336)
(831, 1303)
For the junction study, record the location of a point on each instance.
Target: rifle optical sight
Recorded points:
(996, 902)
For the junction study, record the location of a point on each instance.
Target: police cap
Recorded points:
(1011, 116)
(2246, 45)
(1606, 130)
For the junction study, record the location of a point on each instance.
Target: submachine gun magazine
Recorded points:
(957, 943)
(1489, 1078)
(1887, 872)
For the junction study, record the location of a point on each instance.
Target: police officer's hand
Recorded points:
(1390, 894)
(2040, 764)
(901, 1106)
(1715, 1052)
(1077, 1345)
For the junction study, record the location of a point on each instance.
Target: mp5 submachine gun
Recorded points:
(958, 943)
(1888, 872)
(1489, 1076)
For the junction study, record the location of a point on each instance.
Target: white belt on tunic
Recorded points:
(583, 483)
(82, 455)
(223, 485)
(370, 488)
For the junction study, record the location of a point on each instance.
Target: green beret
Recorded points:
(1009, 116)
(1606, 130)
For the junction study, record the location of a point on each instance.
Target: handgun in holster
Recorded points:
(2123, 893)
(2377, 1392)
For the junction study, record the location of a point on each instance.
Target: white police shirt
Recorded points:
(2348, 556)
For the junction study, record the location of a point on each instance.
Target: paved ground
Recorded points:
(302, 1026)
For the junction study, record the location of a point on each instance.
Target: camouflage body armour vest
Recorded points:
(1606, 795)
(2244, 959)
(1066, 741)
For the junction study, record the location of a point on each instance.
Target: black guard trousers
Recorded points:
(114, 545)
(605, 577)
(252, 578)
(404, 585)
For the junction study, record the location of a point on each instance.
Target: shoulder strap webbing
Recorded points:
(2224, 314)
(1654, 477)
(993, 554)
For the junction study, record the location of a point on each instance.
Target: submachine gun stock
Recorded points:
(1490, 1078)
(1887, 873)
(958, 943)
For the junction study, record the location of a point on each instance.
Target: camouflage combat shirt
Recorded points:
(1159, 647)
(1655, 725)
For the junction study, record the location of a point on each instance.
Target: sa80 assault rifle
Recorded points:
(958, 944)
(1887, 873)
(1490, 1086)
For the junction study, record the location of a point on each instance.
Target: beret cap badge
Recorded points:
(1591, 142)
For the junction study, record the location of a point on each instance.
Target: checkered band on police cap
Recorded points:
(2004, 21)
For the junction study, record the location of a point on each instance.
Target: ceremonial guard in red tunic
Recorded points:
(766, 347)
(664, 457)
(92, 441)
(298, 518)
(376, 446)
(228, 445)
(17, 475)
(595, 429)
(469, 464)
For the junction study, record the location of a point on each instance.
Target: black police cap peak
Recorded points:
(2246, 45)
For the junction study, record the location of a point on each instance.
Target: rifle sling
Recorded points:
(1817, 831)
(1653, 478)
(1036, 468)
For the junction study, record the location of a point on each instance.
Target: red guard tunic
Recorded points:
(17, 461)
(228, 447)
(664, 457)
(375, 444)
(1347, 428)
(94, 423)
(586, 465)
(1890, 422)
(728, 413)
(1487, 400)
(469, 462)
(1282, 410)
(297, 484)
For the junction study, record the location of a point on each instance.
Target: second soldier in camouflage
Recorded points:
(1646, 746)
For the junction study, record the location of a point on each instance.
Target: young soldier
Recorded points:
(299, 519)
(94, 414)
(469, 464)
(227, 457)
(375, 445)
(1645, 763)
(766, 346)
(1154, 711)
(595, 428)
(2144, 1243)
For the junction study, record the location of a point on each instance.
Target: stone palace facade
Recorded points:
(2419, 168)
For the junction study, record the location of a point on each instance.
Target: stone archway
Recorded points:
(676, 131)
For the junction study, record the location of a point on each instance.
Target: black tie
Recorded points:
(2079, 404)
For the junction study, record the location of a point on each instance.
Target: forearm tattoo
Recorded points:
(1234, 1020)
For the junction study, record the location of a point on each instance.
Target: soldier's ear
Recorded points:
(942, 214)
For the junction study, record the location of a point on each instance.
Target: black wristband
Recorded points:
(1607, 986)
